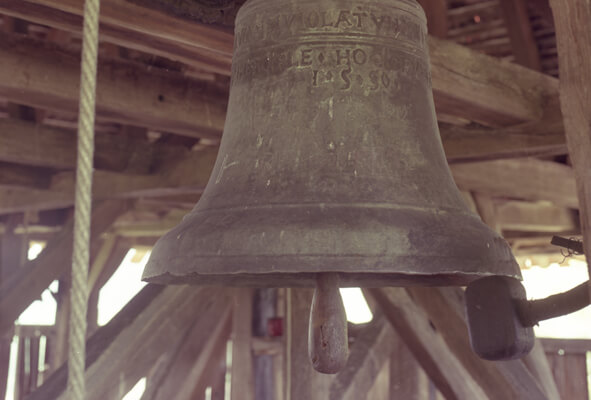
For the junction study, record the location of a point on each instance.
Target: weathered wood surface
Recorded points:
(125, 349)
(502, 380)
(198, 352)
(369, 353)
(189, 174)
(523, 43)
(528, 179)
(42, 75)
(407, 379)
(571, 19)
(466, 83)
(35, 276)
(242, 359)
(193, 55)
(427, 345)
(570, 374)
(27, 143)
(536, 217)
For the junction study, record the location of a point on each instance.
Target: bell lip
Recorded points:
(379, 246)
(346, 279)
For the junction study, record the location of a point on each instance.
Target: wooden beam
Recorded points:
(242, 359)
(436, 12)
(42, 75)
(484, 89)
(407, 379)
(466, 83)
(369, 354)
(427, 345)
(523, 43)
(187, 175)
(537, 217)
(136, 17)
(574, 58)
(126, 348)
(528, 179)
(38, 145)
(196, 354)
(35, 276)
(193, 55)
(500, 380)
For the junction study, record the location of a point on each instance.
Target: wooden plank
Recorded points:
(573, 39)
(484, 89)
(407, 378)
(40, 75)
(28, 143)
(135, 17)
(571, 346)
(198, 57)
(427, 345)
(125, 349)
(570, 374)
(35, 276)
(369, 353)
(187, 175)
(537, 363)
(436, 12)
(196, 351)
(242, 360)
(466, 83)
(502, 380)
(528, 179)
(302, 381)
(523, 43)
(536, 217)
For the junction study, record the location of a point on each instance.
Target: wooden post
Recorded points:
(407, 379)
(573, 39)
(242, 363)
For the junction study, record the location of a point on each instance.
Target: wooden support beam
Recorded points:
(523, 43)
(407, 379)
(574, 58)
(466, 83)
(242, 358)
(536, 217)
(502, 380)
(436, 12)
(484, 89)
(369, 353)
(427, 345)
(195, 357)
(193, 55)
(187, 175)
(40, 75)
(528, 179)
(35, 276)
(38, 145)
(126, 348)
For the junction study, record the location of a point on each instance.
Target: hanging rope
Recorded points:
(82, 211)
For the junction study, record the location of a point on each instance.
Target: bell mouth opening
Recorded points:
(365, 280)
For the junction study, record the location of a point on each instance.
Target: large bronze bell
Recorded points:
(330, 161)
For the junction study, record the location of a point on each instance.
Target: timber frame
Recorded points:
(512, 92)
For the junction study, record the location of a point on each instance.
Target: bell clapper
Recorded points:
(328, 345)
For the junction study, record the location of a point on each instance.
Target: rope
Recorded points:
(82, 210)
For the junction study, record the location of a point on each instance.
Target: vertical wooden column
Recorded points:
(302, 381)
(242, 362)
(573, 39)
